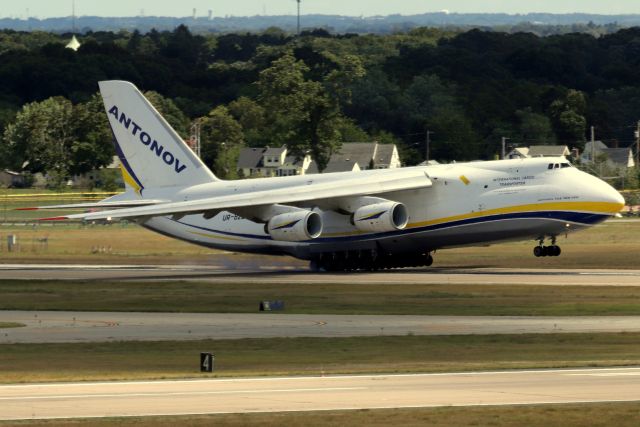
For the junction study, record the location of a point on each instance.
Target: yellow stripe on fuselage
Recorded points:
(602, 208)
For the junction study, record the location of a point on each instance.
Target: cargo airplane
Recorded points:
(367, 220)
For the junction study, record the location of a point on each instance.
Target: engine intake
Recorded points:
(381, 217)
(295, 226)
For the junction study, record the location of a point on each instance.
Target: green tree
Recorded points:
(93, 146)
(456, 139)
(221, 139)
(58, 138)
(41, 138)
(569, 120)
(251, 117)
(301, 113)
(534, 128)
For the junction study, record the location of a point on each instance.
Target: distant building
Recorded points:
(11, 179)
(266, 162)
(539, 151)
(94, 178)
(518, 153)
(357, 156)
(352, 157)
(549, 151)
(342, 165)
(616, 158)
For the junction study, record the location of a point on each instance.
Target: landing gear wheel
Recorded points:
(428, 260)
(543, 251)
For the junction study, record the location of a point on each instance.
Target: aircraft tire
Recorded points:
(428, 260)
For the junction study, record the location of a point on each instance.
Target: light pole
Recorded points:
(428, 145)
(504, 147)
(638, 145)
(298, 17)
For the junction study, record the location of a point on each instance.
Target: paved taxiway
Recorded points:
(59, 326)
(437, 275)
(317, 393)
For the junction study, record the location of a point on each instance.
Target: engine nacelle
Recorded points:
(381, 217)
(295, 226)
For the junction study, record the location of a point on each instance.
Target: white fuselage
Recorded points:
(468, 204)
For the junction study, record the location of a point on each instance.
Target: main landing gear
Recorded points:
(369, 261)
(543, 251)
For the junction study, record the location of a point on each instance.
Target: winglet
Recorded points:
(26, 209)
(54, 218)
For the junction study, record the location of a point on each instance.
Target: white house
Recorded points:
(616, 158)
(362, 156)
(267, 161)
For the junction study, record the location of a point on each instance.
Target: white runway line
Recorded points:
(292, 394)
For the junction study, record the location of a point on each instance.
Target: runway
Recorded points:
(462, 275)
(59, 326)
(122, 399)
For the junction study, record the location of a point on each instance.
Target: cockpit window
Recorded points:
(558, 165)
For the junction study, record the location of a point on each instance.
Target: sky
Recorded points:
(180, 8)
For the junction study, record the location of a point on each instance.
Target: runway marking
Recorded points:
(185, 393)
(575, 371)
(332, 409)
(609, 374)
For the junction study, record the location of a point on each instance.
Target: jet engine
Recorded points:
(381, 217)
(296, 226)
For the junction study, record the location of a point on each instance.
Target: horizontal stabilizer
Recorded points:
(97, 205)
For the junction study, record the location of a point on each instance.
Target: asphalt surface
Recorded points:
(480, 276)
(39, 401)
(60, 326)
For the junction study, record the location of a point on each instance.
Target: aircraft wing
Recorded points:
(307, 191)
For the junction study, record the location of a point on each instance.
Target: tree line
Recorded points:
(314, 91)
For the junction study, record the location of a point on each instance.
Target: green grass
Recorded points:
(6, 325)
(610, 245)
(116, 243)
(606, 246)
(572, 415)
(314, 356)
(361, 298)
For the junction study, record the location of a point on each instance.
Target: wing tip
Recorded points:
(26, 209)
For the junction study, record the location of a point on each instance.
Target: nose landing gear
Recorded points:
(543, 251)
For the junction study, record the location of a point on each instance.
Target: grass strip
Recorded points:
(571, 415)
(313, 356)
(359, 298)
(609, 245)
(6, 325)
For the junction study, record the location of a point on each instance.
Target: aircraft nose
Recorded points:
(602, 192)
(618, 198)
(608, 194)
